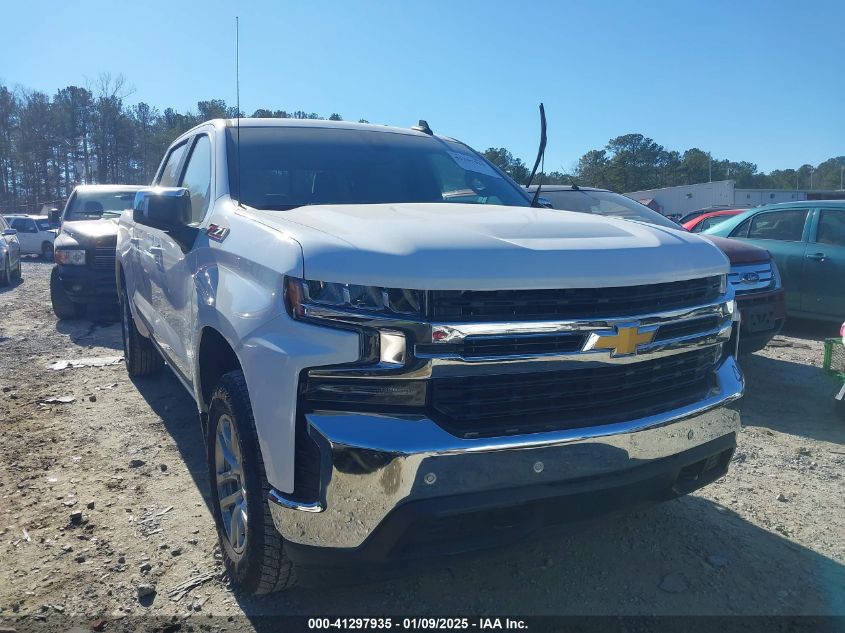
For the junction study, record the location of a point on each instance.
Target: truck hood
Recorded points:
(483, 247)
(739, 252)
(92, 231)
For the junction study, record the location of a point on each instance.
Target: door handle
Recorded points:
(155, 250)
(135, 241)
(817, 257)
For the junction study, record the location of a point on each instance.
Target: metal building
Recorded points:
(723, 194)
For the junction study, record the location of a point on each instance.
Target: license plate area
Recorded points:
(758, 318)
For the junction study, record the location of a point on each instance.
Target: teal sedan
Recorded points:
(807, 240)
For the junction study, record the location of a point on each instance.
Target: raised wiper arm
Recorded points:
(541, 152)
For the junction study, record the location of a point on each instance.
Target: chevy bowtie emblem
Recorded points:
(621, 340)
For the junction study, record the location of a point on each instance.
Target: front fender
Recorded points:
(244, 302)
(272, 360)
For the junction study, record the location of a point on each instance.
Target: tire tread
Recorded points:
(276, 571)
(141, 357)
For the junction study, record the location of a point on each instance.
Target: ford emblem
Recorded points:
(750, 278)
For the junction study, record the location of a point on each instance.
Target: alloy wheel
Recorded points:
(231, 488)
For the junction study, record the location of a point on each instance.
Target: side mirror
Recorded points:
(164, 208)
(10, 231)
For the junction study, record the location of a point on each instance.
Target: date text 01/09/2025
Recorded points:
(416, 623)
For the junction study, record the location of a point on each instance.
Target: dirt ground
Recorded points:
(769, 538)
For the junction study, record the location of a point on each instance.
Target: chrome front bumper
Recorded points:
(372, 464)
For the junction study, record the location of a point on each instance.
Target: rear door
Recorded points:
(824, 266)
(782, 232)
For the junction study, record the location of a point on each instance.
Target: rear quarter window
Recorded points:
(783, 226)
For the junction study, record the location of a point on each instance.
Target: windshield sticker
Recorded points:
(473, 163)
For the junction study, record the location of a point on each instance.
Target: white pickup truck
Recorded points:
(394, 355)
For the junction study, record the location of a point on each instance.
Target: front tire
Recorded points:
(63, 307)
(139, 354)
(252, 548)
(6, 272)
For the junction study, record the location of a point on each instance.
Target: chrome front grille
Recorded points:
(504, 404)
(751, 277)
(570, 303)
(482, 377)
(670, 333)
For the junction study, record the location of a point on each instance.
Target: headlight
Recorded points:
(366, 300)
(776, 283)
(70, 257)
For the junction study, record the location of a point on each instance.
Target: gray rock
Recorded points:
(136, 463)
(176, 551)
(76, 517)
(90, 505)
(145, 590)
(146, 567)
(674, 583)
(782, 497)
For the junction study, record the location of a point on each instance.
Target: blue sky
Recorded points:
(750, 80)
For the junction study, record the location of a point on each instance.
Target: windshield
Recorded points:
(286, 167)
(606, 203)
(93, 205)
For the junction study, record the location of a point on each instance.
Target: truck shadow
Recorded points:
(689, 556)
(100, 330)
(791, 397)
(173, 404)
(807, 329)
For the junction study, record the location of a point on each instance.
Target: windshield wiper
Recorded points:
(540, 156)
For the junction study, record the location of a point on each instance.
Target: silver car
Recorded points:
(10, 254)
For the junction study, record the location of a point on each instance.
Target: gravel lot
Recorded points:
(767, 539)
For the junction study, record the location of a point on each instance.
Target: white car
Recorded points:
(35, 234)
(394, 355)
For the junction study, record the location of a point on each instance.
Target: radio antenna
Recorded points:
(238, 101)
